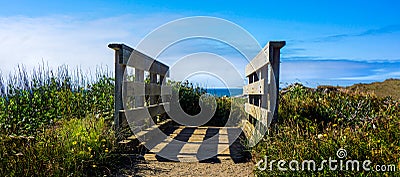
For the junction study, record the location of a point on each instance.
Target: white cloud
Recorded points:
(199, 65)
(379, 76)
(79, 42)
(339, 72)
(69, 40)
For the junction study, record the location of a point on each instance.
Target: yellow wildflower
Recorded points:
(398, 166)
(106, 150)
(334, 125)
(325, 135)
(74, 143)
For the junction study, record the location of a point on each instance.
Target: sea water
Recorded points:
(225, 91)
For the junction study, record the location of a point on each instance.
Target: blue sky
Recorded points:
(328, 42)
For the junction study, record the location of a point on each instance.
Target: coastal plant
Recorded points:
(316, 123)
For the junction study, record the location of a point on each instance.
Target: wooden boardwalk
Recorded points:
(205, 144)
(137, 102)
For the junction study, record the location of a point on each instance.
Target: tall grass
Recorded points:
(75, 147)
(56, 122)
(28, 101)
(315, 123)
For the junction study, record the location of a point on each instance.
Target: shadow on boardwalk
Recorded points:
(204, 144)
(193, 151)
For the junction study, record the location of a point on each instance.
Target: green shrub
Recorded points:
(314, 124)
(48, 124)
(72, 147)
(29, 102)
(189, 96)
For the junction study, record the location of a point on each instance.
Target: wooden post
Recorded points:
(264, 97)
(139, 78)
(275, 60)
(250, 98)
(162, 80)
(119, 75)
(153, 80)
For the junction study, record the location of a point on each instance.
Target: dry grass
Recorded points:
(389, 87)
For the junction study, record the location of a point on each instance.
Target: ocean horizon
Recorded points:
(220, 92)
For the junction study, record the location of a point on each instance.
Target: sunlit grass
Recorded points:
(314, 124)
(29, 101)
(72, 147)
(60, 124)
(54, 123)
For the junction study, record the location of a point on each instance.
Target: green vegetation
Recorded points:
(189, 96)
(73, 147)
(389, 87)
(30, 101)
(55, 123)
(60, 124)
(315, 123)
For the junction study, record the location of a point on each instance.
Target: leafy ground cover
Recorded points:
(57, 123)
(315, 123)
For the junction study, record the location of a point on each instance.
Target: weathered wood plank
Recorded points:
(254, 132)
(139, 60)
(255, 88)
(127, 56)
(142, 112)
(147, 133)
(142, 61)
(247, 128)
(275, 62)
(119, 75)
(265, 66)
(147, 129)
(261, 59)
(139, 78)
(141, 89)
(153, 81)
(259, 113)
(264, 57)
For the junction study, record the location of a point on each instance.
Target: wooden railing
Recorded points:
(263, 87)
(142, 97)
(139, 100)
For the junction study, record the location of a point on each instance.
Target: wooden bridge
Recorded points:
(142, 105)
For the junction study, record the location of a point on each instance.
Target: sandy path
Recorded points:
(224, 168)
(229, 160)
